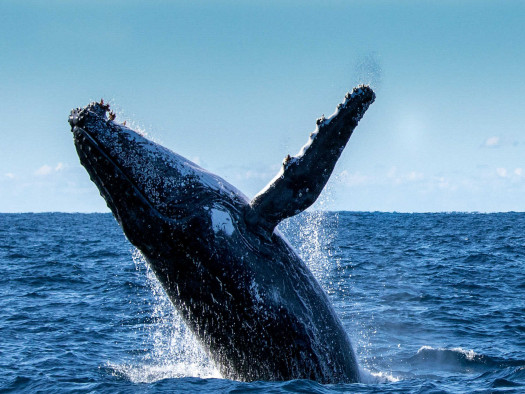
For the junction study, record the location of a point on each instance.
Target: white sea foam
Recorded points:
(468, 354)
(318, 229)
(369, 377)
(174, 352)
(150, 373)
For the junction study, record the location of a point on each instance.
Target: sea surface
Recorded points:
(432, 302)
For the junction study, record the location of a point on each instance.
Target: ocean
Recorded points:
(433, 303)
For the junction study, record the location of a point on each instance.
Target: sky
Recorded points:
(237, 85)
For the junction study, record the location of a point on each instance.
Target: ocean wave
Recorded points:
(479, 258)
(458, 359)
(150, 373)
(375, 377)
(507, 378)
(78, 314)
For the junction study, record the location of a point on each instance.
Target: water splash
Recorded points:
(315, 238)
(368, 70)
(369, 377)
(313, 234)
(172, 351)
(123, 117)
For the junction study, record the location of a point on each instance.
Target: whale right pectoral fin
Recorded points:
(302, 177)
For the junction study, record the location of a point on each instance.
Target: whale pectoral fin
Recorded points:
(302, 177)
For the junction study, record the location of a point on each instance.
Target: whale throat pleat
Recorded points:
(303, 176)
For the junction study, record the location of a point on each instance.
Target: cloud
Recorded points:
(512, 174)
(46, 170)
(414, 176)
(392, 172)
(353, 179)
(391, 177)
(398, 179)
(443, 183)
(500, 142)
(502, 172)
(9, 175)
(250, 174)
(492, 142)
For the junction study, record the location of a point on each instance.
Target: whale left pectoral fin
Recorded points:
(302, 177)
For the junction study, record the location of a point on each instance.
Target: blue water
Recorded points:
(432, 302)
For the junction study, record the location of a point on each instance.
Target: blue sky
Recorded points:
(236, 86)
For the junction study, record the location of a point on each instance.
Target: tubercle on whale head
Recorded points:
(108, 151)
(78, 115)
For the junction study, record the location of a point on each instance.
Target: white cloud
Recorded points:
(518, 171)
(492, 142)
(9, 175)
(400, 178)
(353, 179)
(250, 174)
(392, 172)
(391, 177)
(502, 172)
(414, 176)
(443, 183)
(44, 170)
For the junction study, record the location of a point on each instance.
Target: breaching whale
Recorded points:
(240, 287)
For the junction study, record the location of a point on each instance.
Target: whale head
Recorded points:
(149, 188)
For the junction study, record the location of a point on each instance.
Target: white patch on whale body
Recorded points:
(221, 221)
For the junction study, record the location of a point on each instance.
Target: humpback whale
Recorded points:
(240, 287)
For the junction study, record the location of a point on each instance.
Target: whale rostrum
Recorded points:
(240, 287)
